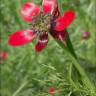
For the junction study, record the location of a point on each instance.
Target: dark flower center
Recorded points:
(41, 23)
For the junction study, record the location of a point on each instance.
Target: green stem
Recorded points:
(70, 47)
(81, 70)
(76, 64)
(70, 77)
(20, 88)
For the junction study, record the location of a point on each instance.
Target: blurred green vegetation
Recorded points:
(26, 73)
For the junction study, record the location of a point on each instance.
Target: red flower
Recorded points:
(3, 56)
(48, 19)
(51, 90)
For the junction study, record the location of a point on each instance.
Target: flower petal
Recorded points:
(29, 10)
(21, 37)
(64, 21)
(61, 35)
(42, 43)
(56, 13)
(48, 6)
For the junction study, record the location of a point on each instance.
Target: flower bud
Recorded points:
(85, 35)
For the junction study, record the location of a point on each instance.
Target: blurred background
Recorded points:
(23, 72)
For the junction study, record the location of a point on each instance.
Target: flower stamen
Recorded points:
(41, 23)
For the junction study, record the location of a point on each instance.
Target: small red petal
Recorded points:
(21, 37)
(56, 13)
(64, 21)
(42, 43)
(48, 6)
(61, 35)
(29, 10)
(51, 90)
(3, 55)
